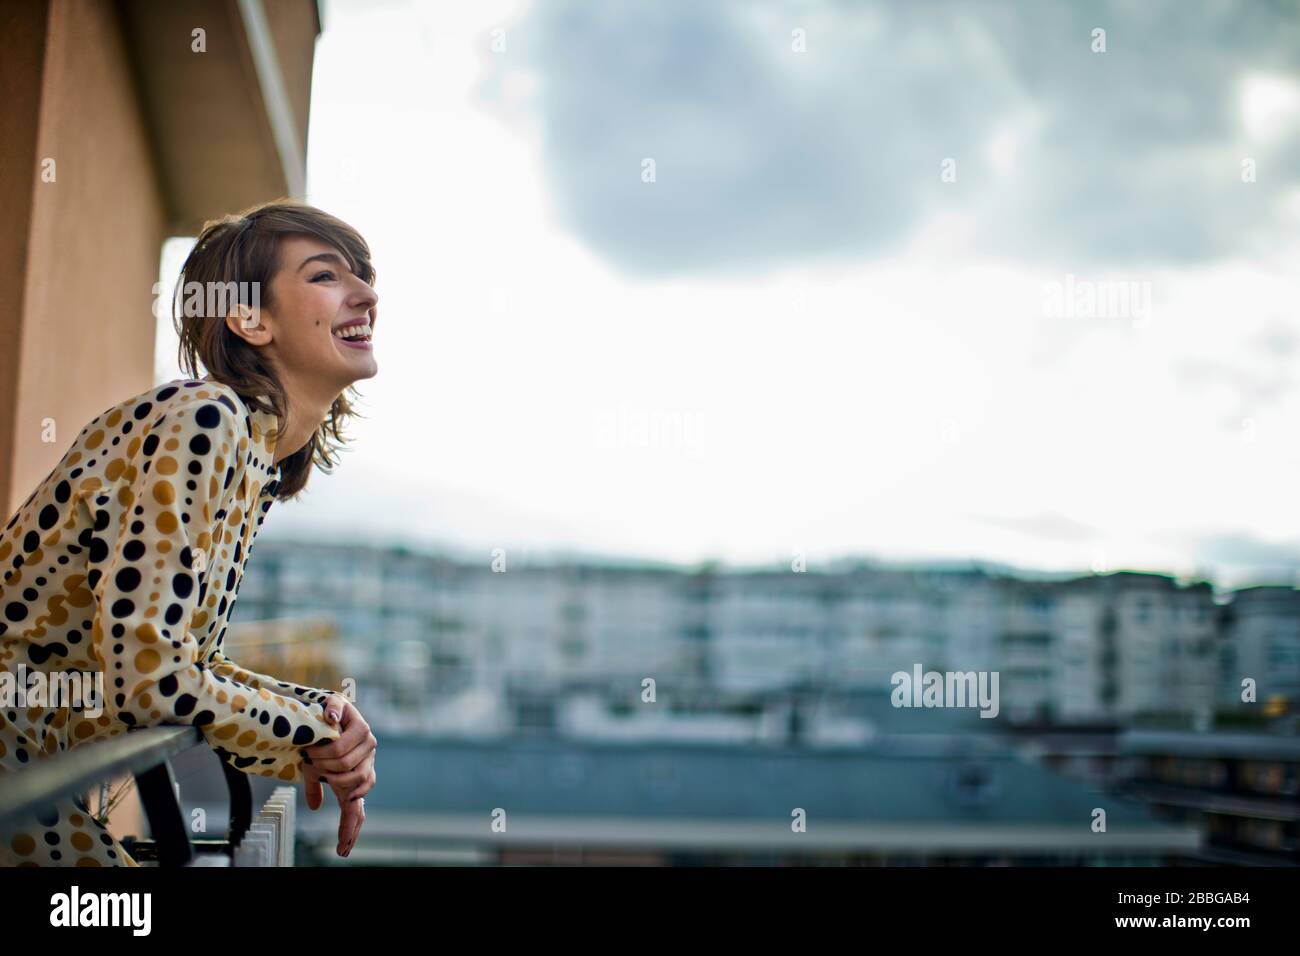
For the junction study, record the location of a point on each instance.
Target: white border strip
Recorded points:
(271, 81)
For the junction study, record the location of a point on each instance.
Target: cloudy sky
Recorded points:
(740, 280)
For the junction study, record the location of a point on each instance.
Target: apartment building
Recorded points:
(1100, 648)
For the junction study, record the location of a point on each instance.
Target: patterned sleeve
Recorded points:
(146, 588)
(219, 663)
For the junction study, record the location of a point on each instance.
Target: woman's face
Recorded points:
(314, 297)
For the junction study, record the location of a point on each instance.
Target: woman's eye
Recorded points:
(326, 273)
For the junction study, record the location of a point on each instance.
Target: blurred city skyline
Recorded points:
(805, 337)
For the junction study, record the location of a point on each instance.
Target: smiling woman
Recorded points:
(127, 559)
(310, 274)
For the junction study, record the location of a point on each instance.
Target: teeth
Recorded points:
(354, 331)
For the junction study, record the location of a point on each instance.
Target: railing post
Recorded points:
(157, 788)
(241, 803)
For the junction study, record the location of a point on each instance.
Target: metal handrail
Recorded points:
(144, 752)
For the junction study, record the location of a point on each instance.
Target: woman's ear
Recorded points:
(248, 323)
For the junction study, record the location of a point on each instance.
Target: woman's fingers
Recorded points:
(347, 765)
(351, 749)
(364, 774)
(311, 784)
(336, 705)
(350, 819)
(340, 711)
(354, 742)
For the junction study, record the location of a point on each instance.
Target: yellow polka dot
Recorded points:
(82, 842)
(22, 844)
(115, 469)
(147, 661)
(164, 493)
(166, 523)
(95, 438)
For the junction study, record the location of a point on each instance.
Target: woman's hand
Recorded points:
(347, 765)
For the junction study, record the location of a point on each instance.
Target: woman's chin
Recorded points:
(370, 370)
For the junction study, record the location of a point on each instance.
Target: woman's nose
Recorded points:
(366, 295)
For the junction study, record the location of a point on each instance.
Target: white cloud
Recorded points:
(886, 405)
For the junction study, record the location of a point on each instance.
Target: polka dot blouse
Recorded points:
(127, 560)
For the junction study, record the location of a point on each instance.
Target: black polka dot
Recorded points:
(209, 416)
(128, 579)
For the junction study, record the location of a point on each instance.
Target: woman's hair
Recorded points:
(241, 253)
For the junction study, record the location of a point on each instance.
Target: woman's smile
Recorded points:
(355, 334)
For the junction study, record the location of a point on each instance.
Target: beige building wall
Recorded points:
(96, 231)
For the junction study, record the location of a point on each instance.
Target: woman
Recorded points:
(125, 562)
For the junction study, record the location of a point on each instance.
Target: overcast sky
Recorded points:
(831, 324)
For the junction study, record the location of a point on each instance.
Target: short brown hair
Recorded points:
(245, 248)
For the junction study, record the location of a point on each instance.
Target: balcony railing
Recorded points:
(146, 753)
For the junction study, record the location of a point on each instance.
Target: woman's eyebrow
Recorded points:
(334, 256)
